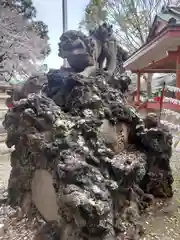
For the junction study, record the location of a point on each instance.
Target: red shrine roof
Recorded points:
(164, 36)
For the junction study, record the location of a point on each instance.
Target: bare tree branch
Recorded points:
(133, 18)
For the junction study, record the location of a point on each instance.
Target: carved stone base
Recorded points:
(44, 195)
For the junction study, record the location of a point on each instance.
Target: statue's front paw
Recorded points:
(107, 73)
(89, 71)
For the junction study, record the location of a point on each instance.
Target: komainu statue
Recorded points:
(83, 159)
(99, 48)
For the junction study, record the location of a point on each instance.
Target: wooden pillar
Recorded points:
(138, 87)
(178, 73)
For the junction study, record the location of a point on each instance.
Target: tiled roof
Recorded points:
(165, 15)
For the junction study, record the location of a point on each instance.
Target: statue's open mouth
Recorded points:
(73, 48)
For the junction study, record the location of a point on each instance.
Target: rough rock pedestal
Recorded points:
(85, 160)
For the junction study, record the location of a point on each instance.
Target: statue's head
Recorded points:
(103, 32)
(77, 48)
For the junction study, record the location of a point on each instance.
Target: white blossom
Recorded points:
(20, 46)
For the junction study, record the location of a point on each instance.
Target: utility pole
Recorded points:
(65, 21)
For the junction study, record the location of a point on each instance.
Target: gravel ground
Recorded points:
(14, 227)
(161, 222)
(11, 223)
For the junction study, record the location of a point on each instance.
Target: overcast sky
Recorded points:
(50, 12)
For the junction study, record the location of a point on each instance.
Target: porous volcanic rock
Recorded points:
(82, 152)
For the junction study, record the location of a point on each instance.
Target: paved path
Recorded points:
(5, 169)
